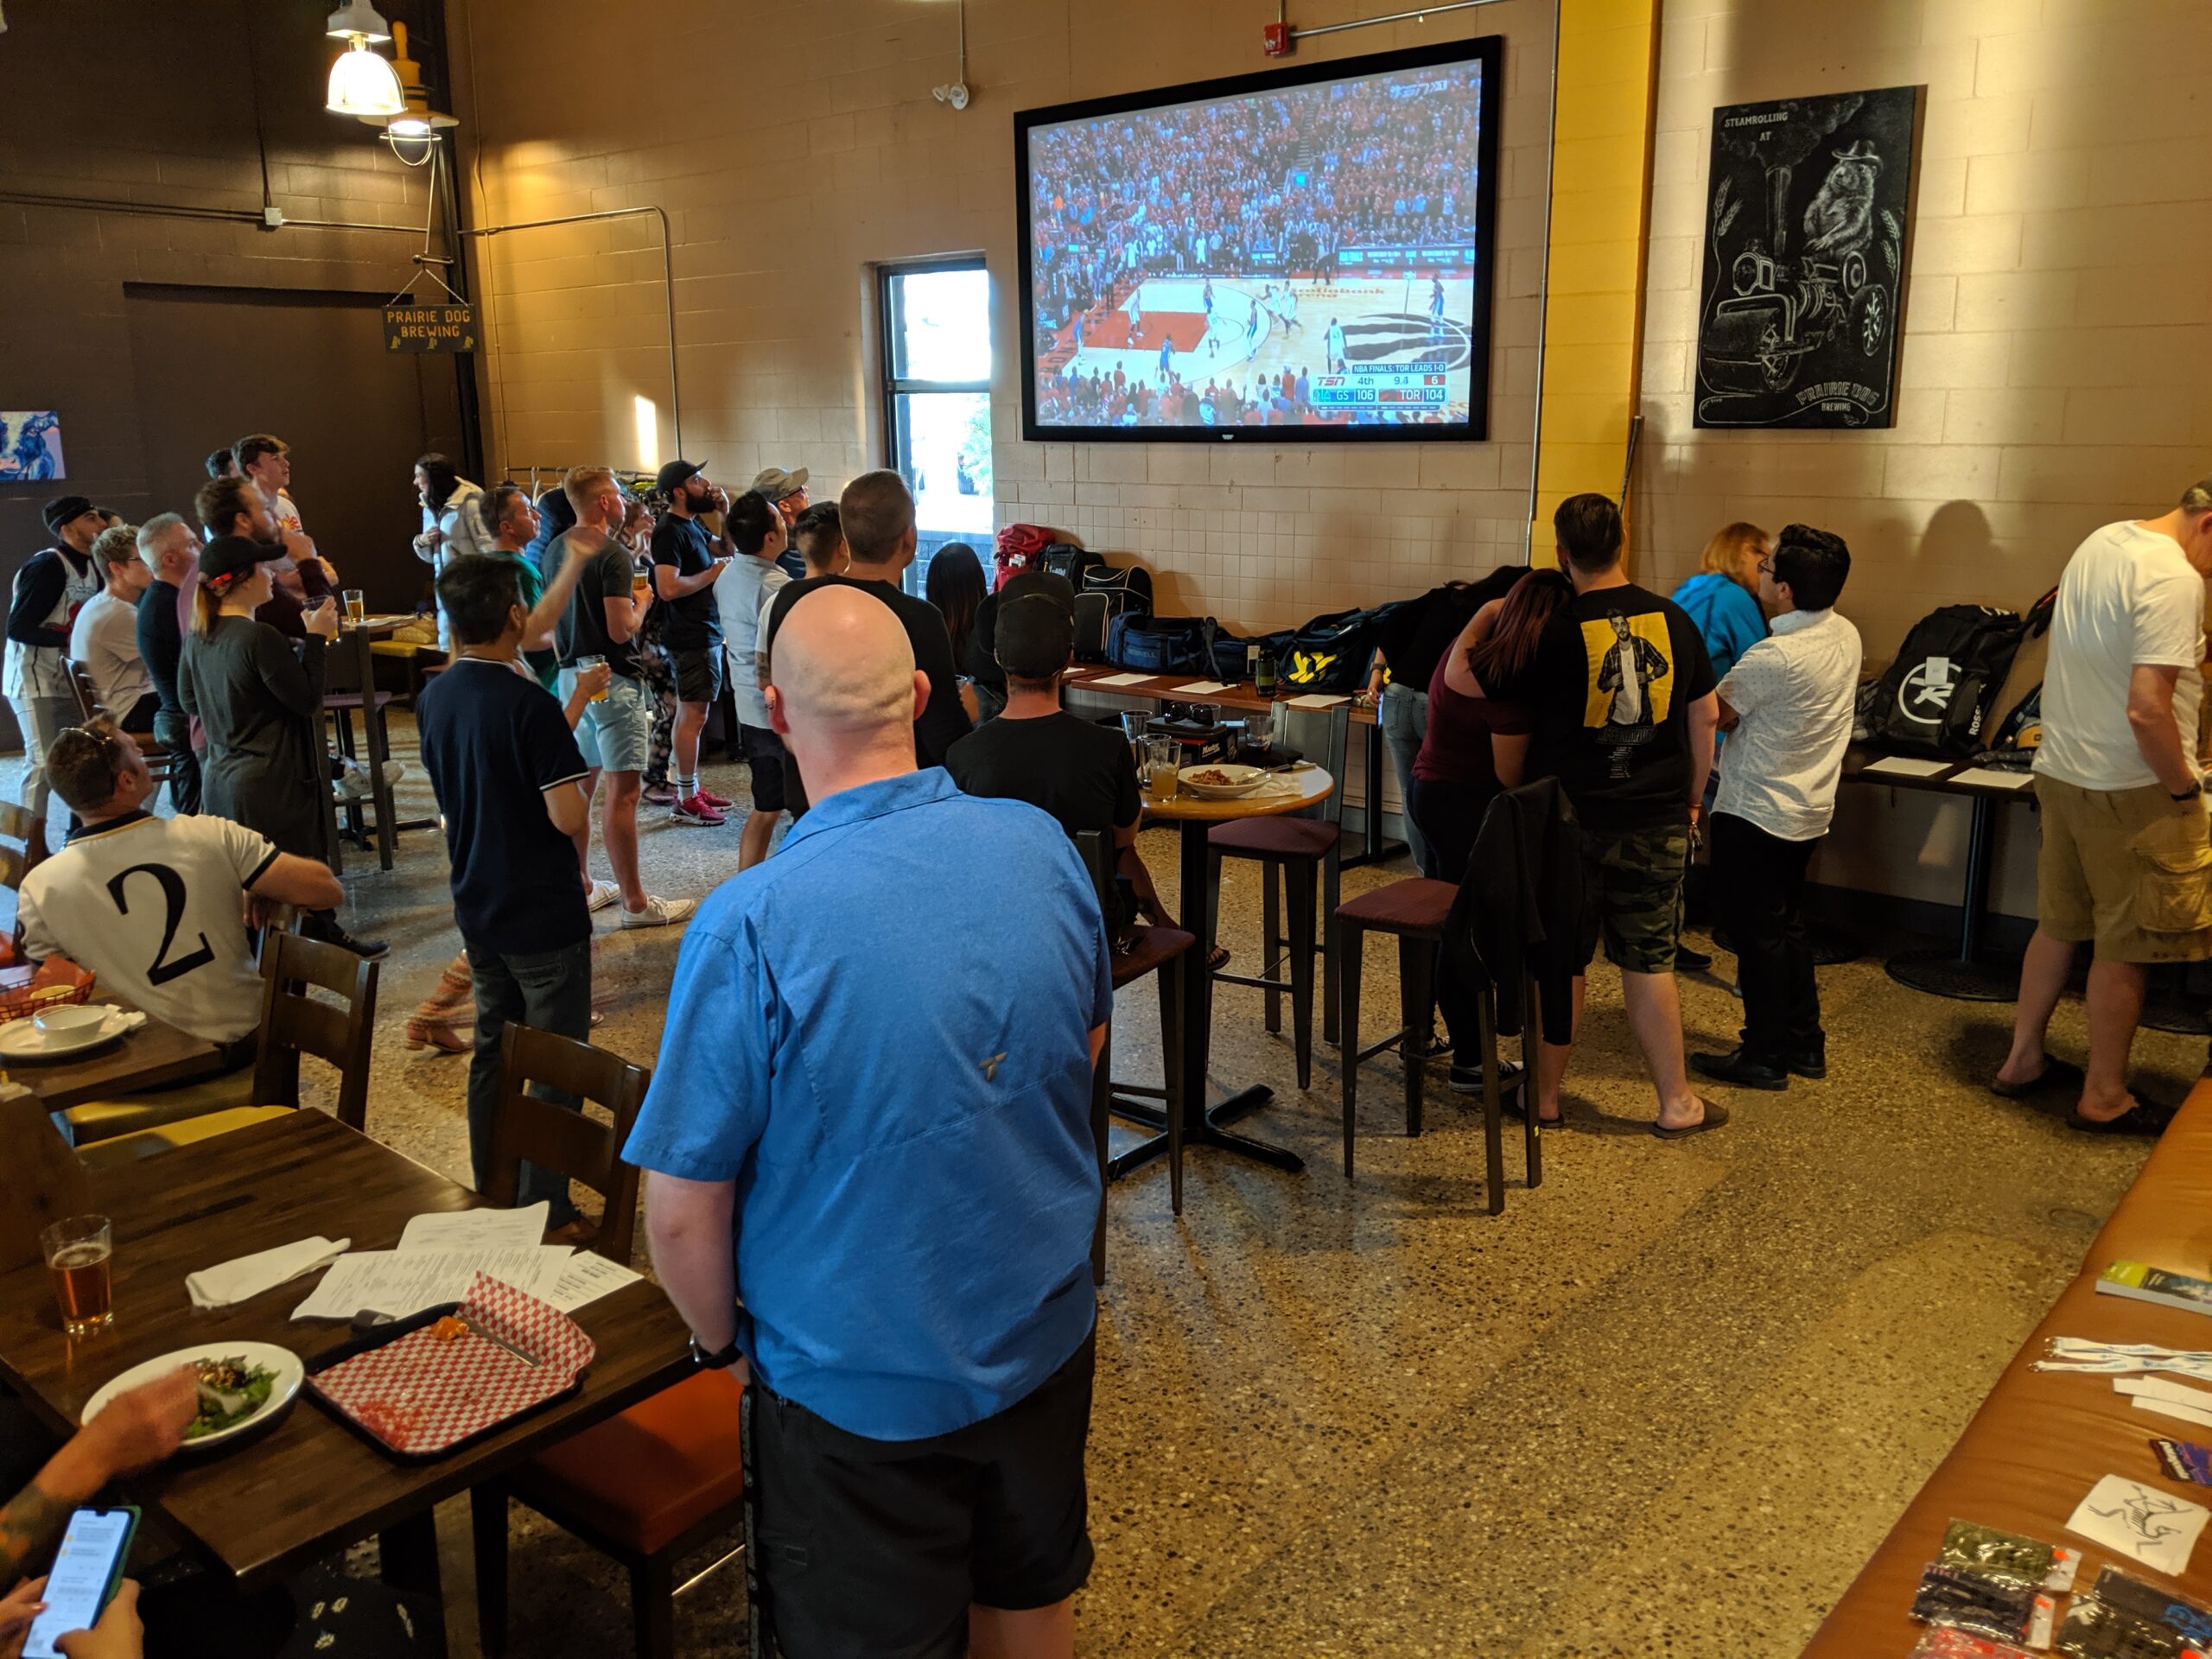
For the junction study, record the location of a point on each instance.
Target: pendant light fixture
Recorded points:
(411, 131)
(361, 83)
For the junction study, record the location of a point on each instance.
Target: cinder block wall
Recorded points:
(805, 148)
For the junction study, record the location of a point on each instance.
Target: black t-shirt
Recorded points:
(1614, 677)
(581, 631)
(1083, 775)
(494, 740)
(160, 640)
(693, 622)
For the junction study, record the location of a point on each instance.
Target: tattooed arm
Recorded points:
(135, 1429)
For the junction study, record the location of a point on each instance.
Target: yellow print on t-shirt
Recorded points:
(1632, 681)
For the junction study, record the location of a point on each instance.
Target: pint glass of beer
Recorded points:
(78, 1253)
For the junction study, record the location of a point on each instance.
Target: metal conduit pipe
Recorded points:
(248, 216)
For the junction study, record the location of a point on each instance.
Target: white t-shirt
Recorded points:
(2128, 598)
(104, 639)
(154, 906)
(1797, 691)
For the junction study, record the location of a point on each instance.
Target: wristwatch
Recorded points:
(2190, 794)
(721, 1360)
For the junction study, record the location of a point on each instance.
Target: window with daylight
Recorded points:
(936, 399)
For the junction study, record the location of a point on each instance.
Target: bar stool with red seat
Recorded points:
(1294, 853)
(653, 1484)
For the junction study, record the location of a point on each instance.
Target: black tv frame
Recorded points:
(1488, 49)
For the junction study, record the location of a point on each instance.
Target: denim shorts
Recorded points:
(616, 731)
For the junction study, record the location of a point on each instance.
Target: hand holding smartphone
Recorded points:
(87, 1569)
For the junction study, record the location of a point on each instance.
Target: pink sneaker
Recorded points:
(720, 802)
(696, 810)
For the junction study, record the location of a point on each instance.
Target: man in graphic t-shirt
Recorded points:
(2123, 838)
(1623, 692)
(600, 626)
(152, 906)
(687, 558)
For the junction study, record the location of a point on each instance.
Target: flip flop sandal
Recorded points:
(2056, 1074)
(1217, 958)
(2137, 1119)
(1715, 1118)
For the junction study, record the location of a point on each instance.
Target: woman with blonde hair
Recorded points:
(1723, 597)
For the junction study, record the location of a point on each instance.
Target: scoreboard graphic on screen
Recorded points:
(1305, 253)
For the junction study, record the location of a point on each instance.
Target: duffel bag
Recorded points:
(1162, 645)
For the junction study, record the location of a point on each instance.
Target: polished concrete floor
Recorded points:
(1665, 1404)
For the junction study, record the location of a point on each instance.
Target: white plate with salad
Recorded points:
(241, 1384)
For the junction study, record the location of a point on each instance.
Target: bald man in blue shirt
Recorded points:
(901, 1147)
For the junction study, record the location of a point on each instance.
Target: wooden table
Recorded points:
(310, 1486)
(1244, 694)
(1204, 1126)
(148, 1058)
(1966, 973)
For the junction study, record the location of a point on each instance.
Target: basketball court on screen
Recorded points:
(1386, 323)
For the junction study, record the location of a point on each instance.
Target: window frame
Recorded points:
(890, 302)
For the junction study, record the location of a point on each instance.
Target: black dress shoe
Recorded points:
(1808, 1063)
(367, 948)
(1689, 960)
(1740, 1068)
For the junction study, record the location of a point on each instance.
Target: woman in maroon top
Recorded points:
(1477, 744)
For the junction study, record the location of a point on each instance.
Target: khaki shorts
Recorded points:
(2126, 868)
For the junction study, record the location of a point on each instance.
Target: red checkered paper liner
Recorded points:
(421, 1395)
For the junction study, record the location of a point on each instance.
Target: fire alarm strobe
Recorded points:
(1275, 40)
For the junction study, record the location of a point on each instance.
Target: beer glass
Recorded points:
(77, 1253)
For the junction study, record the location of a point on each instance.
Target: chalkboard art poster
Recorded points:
(1804, 261)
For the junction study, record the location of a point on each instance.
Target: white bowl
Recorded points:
(1242, 780)
(71, 1020)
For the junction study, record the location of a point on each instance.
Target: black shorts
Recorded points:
(764, 755)
(698, 674)
(878, 1547)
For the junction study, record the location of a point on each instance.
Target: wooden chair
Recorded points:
(1295, 852)
(90, 707)
(652, 1485)
(292, 1023)
(1165, 952)
(45, 1183)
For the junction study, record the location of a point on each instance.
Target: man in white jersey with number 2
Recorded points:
(155, 906)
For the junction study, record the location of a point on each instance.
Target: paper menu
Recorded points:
(1317, 700)
(1991, 777)
(1119, 679)
(1199, 688)
(2140, 1523)
(586, 1277)
(400, 1283)
(1898, 765)
(481, 1229)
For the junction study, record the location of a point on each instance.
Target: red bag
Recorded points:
(1019, 548)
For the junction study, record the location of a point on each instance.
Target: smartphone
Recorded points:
(87, 1570)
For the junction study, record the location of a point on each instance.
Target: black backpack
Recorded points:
(1937, 695)
(1066, 559)
(1328, 652)
(1161, 645)
(1103, 594)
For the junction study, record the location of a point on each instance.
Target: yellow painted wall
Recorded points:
(1593, 315)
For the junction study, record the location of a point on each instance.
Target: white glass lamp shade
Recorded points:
(361, 83)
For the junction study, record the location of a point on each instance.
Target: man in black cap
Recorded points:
(687, 558)
(1084, 774)
(787, 490)
(54, 584)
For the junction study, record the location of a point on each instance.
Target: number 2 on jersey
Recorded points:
(172, 885)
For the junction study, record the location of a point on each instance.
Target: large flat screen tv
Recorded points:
(1304, 254)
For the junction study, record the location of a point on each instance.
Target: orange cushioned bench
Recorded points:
(2042, 1439)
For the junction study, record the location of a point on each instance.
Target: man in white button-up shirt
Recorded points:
(1789, 701)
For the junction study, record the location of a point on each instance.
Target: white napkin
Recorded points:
(247, 1276)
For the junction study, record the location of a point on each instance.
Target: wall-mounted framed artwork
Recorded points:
(30, 446)
(1805, 260)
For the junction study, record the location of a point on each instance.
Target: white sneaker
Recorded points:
(602, 894)
(353, 784)
(394, 771)
(659, 912)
